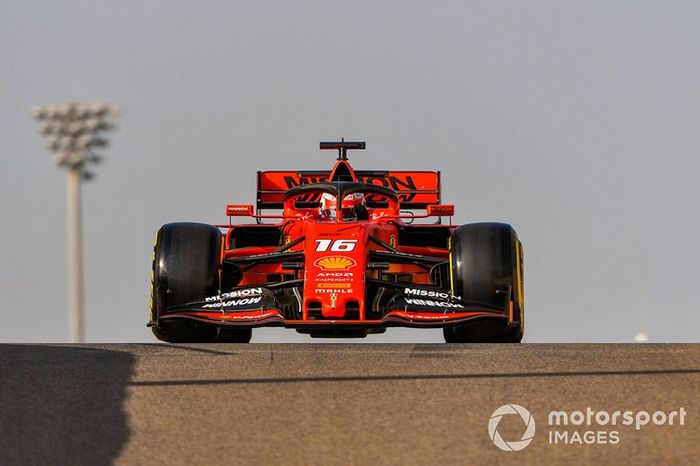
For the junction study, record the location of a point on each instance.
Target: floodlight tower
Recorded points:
(74, 132)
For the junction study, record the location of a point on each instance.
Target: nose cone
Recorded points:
(334, 281)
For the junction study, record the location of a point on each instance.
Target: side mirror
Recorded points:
(441, 210)
(239, 210)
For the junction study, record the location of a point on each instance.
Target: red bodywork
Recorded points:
(337, 267)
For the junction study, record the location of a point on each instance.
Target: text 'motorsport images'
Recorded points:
(338, 253)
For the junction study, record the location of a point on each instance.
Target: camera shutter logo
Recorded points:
(527, 418)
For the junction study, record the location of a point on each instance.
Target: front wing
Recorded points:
(409, 306)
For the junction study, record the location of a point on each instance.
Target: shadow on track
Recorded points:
(181, 347)
(380, 378)
(62, 405)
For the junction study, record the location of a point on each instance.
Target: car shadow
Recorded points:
(63, 404)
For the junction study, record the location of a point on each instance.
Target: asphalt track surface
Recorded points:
(336, 404)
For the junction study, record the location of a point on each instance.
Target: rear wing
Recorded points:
(416, 189)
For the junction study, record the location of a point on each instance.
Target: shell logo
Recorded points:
(335, 263)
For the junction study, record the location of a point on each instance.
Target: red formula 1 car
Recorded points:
(343, 257)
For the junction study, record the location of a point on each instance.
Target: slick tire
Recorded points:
(234, 335)
(186, 263)
(485, 260)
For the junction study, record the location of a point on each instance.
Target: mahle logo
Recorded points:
(527, 436)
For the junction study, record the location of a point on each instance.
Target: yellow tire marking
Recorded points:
(452, 278)
(519, 280)
(152, 304)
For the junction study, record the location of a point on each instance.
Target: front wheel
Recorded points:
(486, 262)
(186, 264)
(234, 335)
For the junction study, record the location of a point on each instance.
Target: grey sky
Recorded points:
(577, 122)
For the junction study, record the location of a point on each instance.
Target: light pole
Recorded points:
(73, 131)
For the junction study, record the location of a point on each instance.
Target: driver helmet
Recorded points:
(351, 203)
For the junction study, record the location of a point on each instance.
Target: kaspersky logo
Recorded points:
(514, 445)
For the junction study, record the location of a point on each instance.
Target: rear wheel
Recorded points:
(486, 261)
(186, 264)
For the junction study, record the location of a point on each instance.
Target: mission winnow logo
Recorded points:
(580, 427)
